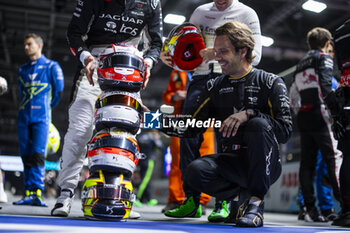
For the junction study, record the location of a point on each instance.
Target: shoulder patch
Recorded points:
(270, 80)
(154, 4)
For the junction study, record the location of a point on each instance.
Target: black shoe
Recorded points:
(316, 216)
(329, 214)
(343, 220)
(253, 216)
(302, 213)
(171, 206)
(237, 207)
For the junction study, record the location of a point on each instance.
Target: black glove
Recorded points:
(338, 129)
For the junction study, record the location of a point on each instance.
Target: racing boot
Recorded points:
(190, 209)
(253, 215)
(329, 214)
(219, 213)
(237, 206)
(63, 204)
(315, 215)
(343, 220)
(37, 199)
(27, 200)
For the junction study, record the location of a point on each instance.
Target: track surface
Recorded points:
(15, 219)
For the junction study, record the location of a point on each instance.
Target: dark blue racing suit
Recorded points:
(40, 84)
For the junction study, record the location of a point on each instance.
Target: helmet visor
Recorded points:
(122, 60)
(108, 191)
(122, 143)
(119, 100)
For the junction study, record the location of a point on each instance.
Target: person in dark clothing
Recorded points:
(149, 142)
(251, 114)
(313, 81)
(341, 112)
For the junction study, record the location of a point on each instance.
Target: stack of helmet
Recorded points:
(113, 152)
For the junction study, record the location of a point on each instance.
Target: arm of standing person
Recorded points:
(57, 83)
(252, 20)
(3, 85)
(154, 34)
(325, 74)
(294, 98)
(78, 27)
(208, 53)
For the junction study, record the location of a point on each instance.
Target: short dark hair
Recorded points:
(318, 37)
(38, 39)
(240, 36)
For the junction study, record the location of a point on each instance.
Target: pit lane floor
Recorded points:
(38, 219)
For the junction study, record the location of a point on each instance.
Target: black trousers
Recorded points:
(315, 134)
(189, 147)
(254, 168)
(344, 146)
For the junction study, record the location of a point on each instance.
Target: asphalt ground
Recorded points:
(38, 219)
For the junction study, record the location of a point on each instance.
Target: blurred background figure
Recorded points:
(40, 83)
(51, 162)
(150, 144)
(3, 196)
(322, 181)
(174, 95)
(313, 81)
(3, 85)
(341, 114)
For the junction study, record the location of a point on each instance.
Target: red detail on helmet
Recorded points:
(109, 73)
(345, 78)
(73, 51)
(114, 151)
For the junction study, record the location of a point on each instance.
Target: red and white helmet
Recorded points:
(113, 150)
(118, 109)
(184, 43)
(121, 67)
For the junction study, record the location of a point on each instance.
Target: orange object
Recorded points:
(178, 80)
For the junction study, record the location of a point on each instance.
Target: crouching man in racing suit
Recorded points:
(95, 25)
(253, 106)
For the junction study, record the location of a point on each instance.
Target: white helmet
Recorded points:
(113, 151)
(121, 67)
(118, 109)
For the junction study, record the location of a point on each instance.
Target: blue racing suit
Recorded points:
(40, 84)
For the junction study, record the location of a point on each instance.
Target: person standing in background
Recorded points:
(322, 181)
(149, 143)
(208, 17)
(341, 114)
(174, 95)
(3, 196)
(40, 84)
(313, 81)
